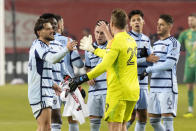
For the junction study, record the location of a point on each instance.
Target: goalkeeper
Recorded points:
(120, 62)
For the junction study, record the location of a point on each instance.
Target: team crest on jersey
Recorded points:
(54, 102)
(162, 48)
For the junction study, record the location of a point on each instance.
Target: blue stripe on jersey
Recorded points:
(131, 33)
(57, 80)
(46, 78)
(56, 44)
(142, 40)
(97, 90)
(39, 64)
(94, 57)
(160, 78)
(46, 87)
(77, 58)
(160, 44)
(87, 66)
(47, 68)
(142, 66)
(47, 96)
(160, 52)
(160, 86)
(35, 103)
(172, 58)
(143, 83)
(161, 60)
(56, 71)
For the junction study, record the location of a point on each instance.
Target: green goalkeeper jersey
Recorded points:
(188, 40)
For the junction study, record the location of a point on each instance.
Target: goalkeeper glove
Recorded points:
(75, 82)
(144, 74)
(86, 43)
(143, 52)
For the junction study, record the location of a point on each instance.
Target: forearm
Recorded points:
(168, 64)
(54, 58)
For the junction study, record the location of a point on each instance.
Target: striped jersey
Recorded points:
(142, 40)
(40, 75)
(72, 58)
(164, 71)
(58, 70)
(92, 61)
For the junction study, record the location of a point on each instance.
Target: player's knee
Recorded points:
(95, 120)
(56, 116)
(142, 117)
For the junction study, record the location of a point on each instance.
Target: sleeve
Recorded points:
(172, 58)
(100, 52)
(76, 59)
(87, 60)
(107, 61)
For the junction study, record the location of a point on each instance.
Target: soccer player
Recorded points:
(59, 42)
(120, 62)
(188, 40)
(40, 83)
(98, 86)
(162, 101)
(143, 44)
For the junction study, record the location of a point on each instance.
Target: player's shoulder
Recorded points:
(145, 37)
(173, 42)
(38, 44)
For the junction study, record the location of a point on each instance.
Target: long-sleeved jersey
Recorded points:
(40, 80)
(164, 71)
(91, 61)
(120, 62)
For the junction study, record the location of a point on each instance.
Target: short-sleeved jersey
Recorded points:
(188, 40)
(91, 61)
(39, 73)
(58, 70)
(71, 59)
(165, 80)
(120, 62)
(142, 40)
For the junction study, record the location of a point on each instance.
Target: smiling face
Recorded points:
(136, 23)
(99, 36)
(47, 33)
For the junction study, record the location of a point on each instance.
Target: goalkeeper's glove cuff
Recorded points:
(143, 75)
(143, 52)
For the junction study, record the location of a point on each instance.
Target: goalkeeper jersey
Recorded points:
(120, 62)
(188, 40)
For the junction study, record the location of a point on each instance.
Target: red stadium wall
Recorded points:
(80, 14)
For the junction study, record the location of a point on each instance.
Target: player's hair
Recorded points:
(47, 16)
(119, 18)
(135, 12)
(193, 15)
(58, 17)
(97, 23)
(167, 18)
(39, 25)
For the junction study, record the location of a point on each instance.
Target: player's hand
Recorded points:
(71, 45)
(91, 82)
(57, 89)
(144, 74)
(143, 52)
(86, 43)
(105, 28)
(152, 58)
(75, 82)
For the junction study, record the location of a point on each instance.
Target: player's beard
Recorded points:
(49, 38)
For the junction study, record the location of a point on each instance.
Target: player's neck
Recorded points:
(44, 40)
(164, 36)
(138, 31)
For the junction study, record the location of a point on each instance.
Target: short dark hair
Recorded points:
(135, 12)
(97, 23)
(119, 18)
(193, 15)
(58, 17)
(167, 18)
(47, 16)
(39, 25)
